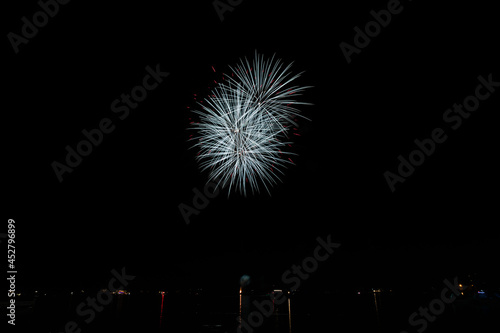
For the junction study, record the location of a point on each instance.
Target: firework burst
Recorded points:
(244, 125)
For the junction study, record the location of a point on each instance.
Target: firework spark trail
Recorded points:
(244, 125)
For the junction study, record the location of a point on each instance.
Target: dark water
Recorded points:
(369, 312)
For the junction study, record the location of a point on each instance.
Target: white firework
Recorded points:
(245, 123)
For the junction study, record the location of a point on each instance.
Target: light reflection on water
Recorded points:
(374, 311)
(289, 317)
(161, 307)
(216, 313)
(376, 294)
(246, 308)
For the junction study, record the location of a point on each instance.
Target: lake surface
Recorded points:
(367, 312)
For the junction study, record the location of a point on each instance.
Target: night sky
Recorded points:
(119, 207)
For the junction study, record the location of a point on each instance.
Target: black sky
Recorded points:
(120, 206)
